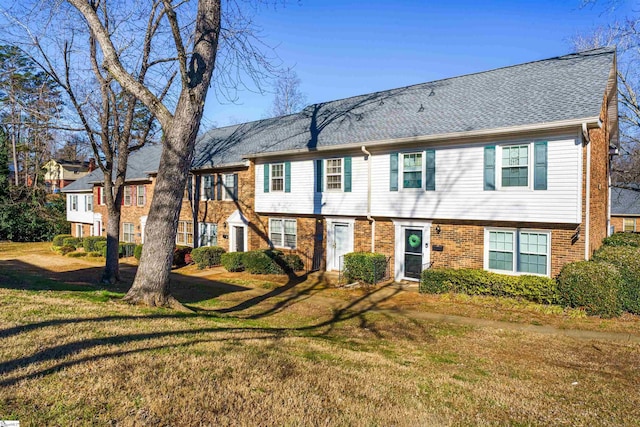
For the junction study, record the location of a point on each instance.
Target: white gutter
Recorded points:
(369, 217)
(591, 121)
(587, 209)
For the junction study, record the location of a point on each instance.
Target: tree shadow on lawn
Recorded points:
(19, 275)
(355, 309)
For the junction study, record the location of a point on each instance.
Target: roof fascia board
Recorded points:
(591, 122)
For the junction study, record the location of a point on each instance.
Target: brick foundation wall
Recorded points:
(463, 242)
(86, 229)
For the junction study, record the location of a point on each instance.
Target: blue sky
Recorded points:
(345, 48)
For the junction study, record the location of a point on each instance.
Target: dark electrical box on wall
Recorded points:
(437, 248)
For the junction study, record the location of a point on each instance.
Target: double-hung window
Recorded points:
(184, 236)
(73, 202)
(412, 170)
(103, 201)
(629, 225)
(127, 195)
(128, 234)
(283, 233)
(141, 192)
(88, 203)
(230, 184)
(277, 176)
(515, 166)
(518, 251)
(208, 187)
(208, 234)
(334, 174)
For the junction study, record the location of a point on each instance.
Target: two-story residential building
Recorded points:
(59, 172)
(505, 170)
(625, 209)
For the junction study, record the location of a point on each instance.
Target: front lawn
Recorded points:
(291, 354)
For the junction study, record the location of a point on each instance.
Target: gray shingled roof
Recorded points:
(81, 184)
(562, 88)
(625, 201)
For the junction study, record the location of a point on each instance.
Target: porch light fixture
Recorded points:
(438, 229)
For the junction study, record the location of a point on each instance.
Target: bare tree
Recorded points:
(625, 36)
(288, 97)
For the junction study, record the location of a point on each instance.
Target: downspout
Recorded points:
(587, 209)
(369, 217)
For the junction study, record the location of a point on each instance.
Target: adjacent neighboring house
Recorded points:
(59, 173)
(505, 170)
(625, 209)
(80, 204)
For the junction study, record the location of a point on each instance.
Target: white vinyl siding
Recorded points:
(283, 233)
(460, 195)
(303, 199)
(517, 251)
(80, 208)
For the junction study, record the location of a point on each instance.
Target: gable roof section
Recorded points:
(564, 88)
(625, 201)
(81, 185)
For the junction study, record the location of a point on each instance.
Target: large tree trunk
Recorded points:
(111, 273)
(151, 285)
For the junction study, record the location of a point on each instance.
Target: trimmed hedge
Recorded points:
(594, 286)
(100, 246)
(623, 239)
(137, 252)
(180, 255)
(267, 261)
(94, 254)
(72, 241)
(627, 260)
(207, 256)
(89, 242)
(479, 282)
(367, 267)
(232, 261)
(59, 239)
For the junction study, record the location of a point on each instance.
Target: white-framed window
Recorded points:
(412, 170)
(518, 251)
(102, 196)
(283, 232)
(208, 187)
(277, 176)
(128, 232)
(127, 195)
(73, 202)
(88, 202)
(229, 184)
(78, 230)
(515, 165)
(208, 234)
(629, 225)
(334, 173)
(141, 195)
(184, 235)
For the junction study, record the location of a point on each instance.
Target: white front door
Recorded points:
(339, 242)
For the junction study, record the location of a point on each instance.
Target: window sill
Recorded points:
(515, 273)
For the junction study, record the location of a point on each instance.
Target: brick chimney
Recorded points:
(92, 165)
